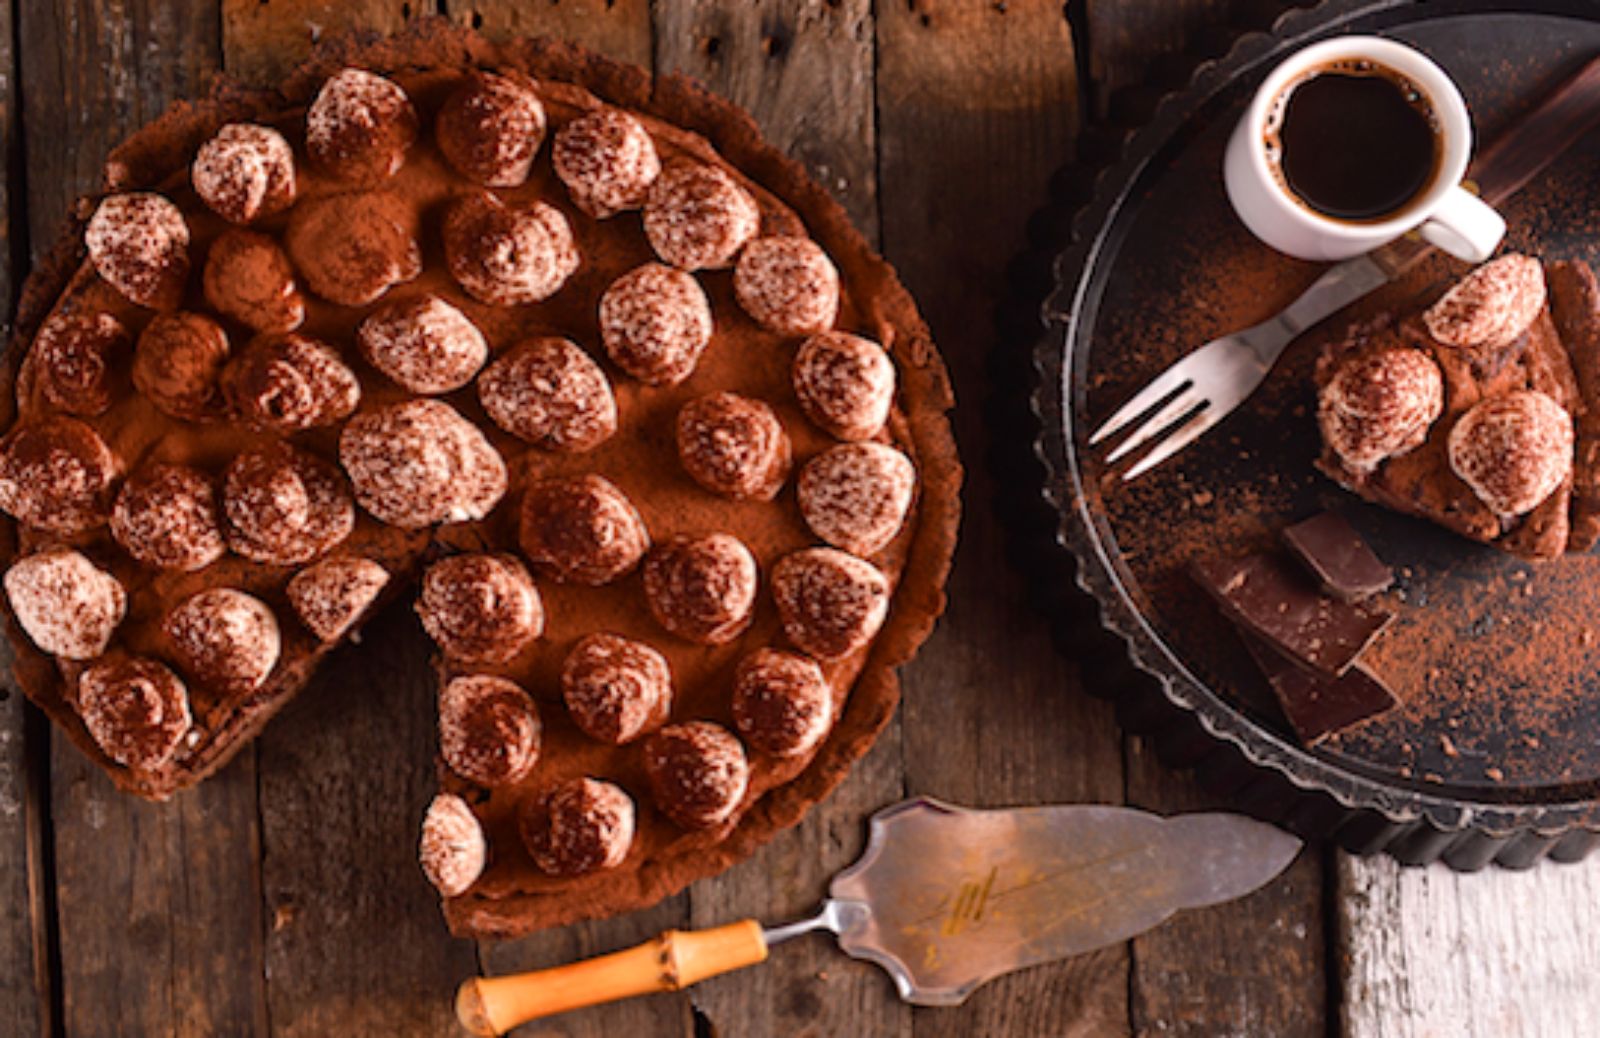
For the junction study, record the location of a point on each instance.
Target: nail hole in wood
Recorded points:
(405, 11)
(774, 46)
(477, 20)
(712, 46)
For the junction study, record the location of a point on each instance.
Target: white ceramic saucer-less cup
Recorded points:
(1445, 213)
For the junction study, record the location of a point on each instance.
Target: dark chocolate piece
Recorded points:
(1338, 557)
(1318, 706)
(1269, 598)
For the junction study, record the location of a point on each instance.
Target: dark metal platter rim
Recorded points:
(1413, 823)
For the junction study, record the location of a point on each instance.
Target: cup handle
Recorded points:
(1464, 226)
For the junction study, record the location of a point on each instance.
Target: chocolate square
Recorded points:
(1338, 557)
(1269, 598)
(1318, 706)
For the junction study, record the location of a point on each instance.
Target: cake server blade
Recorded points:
(945, 898)
(952, 897)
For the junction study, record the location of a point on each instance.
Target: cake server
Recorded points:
(1207, 385)
(945, 898)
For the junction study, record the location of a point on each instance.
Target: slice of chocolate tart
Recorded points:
(1479, 411)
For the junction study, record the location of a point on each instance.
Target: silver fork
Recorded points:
(1207, 385)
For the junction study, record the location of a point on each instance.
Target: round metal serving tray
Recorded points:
(1495, 752)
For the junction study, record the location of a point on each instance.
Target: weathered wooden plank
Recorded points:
(11, 200)
(159, 905)
(977, 105)
(355, 940)
(263, 39)
(24, 926)
(24, 968)
(804, 71)
(95, 72)
(616, 28)
(1182, 985)
(1433, 952)
(803, 68)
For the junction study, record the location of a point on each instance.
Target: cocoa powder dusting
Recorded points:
(551, 393)
(787, 284)
(698, 217)
(452, 849)
(607, 161)
(1496, 653)
(332, 595)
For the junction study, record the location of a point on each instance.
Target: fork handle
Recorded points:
(674, 960)
(1518, 153)
(1336, 288)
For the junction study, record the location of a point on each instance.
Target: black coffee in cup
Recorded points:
(1353, 140)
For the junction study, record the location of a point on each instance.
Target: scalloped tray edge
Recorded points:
(1256, 770)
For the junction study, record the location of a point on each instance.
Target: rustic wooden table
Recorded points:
(283, 896)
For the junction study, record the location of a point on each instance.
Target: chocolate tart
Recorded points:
(408, 220)
(1490, 755)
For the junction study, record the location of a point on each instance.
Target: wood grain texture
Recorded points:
(1432, 952)
(1182, 985)
(95, 73)
(616, 28)
(160, 904)
(355, 940)
(264, 39)
(159, 907)
(977, 105)
(24, 966)
(13, 264)
(804, 70)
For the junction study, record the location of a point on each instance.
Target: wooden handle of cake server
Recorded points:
(1519, 152)
(670, 962)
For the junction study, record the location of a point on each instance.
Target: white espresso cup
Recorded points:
(1443, 212)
